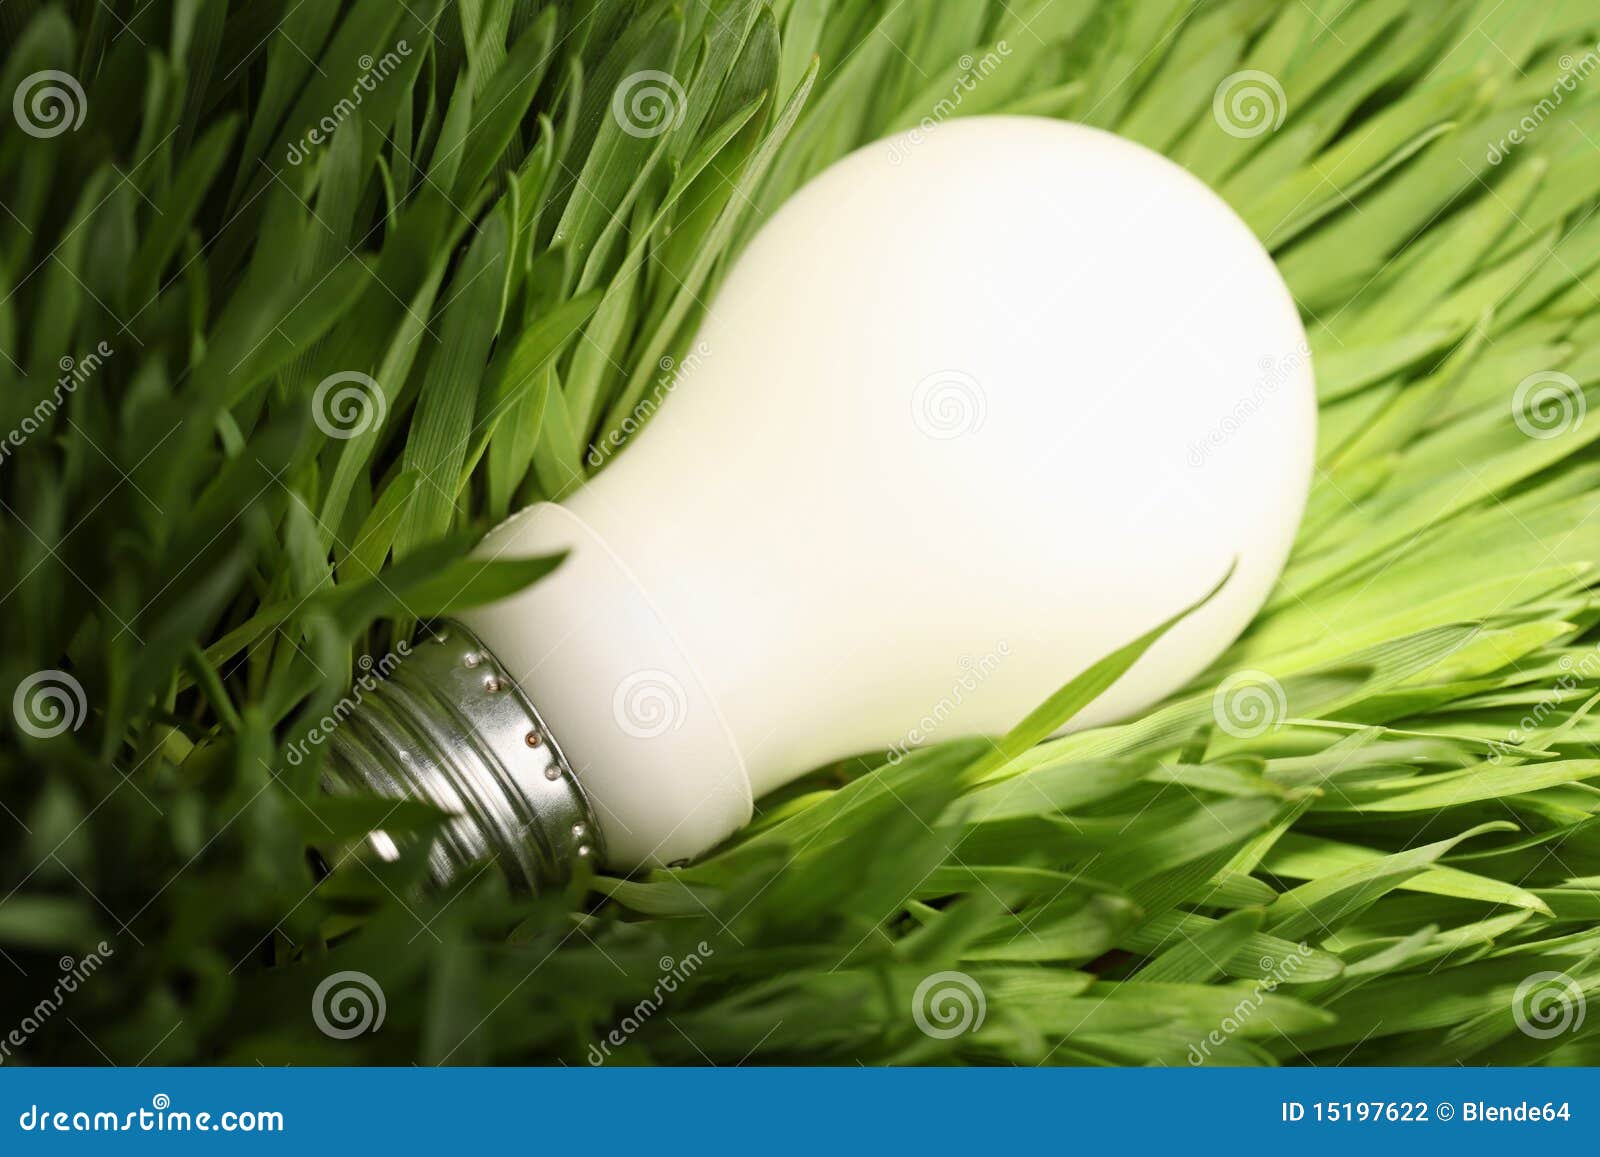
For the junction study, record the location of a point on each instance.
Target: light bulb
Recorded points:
(974, 408)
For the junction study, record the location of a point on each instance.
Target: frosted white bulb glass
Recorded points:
(971, 410)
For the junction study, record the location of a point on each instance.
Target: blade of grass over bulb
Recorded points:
(1056, 711)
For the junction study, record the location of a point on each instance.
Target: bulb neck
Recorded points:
(606, 661)
(448, 726)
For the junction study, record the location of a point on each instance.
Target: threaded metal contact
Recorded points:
(450, 727)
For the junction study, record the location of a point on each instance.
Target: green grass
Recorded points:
(1366, 877)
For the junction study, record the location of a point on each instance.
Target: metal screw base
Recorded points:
(449, 726)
